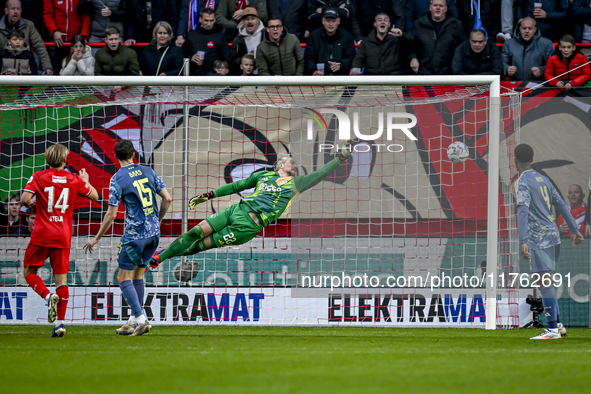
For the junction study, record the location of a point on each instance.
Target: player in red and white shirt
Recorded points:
(55, 190)
(577, 208)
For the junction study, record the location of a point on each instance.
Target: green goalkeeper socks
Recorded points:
(182, 245)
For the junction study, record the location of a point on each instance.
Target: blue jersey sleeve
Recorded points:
(522, 223)
(114, 192)
(158, 183)
(522, 195)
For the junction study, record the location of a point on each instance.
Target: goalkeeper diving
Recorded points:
(239, 223)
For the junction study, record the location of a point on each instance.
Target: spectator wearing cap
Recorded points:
(316, 9)
(280, 53)
(331, 46)
(229, 14)
(381, 53)
(294, 16)
(477, 56)
(250, 35)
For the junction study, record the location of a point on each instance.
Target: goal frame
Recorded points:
(493, 81)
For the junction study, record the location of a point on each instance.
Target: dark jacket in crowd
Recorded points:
(136, 23)
(121, 61)
(100, 22)
(315, 19)
(490, 16)
(366, 12)
(434, 50)
(322, 48)
(171, 64)
(33, 11)
(184, 15)
(573, 74)
(552, 26)
(390, 56)
(287, 58)
(213, 42)
(294, 16)
(468, 62)
(20, 60)
(524, 56)
(7, 229)
(414, 9)
(581, 10)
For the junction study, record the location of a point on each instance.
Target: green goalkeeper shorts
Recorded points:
(232, 226)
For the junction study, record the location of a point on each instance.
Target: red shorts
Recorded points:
(59, 258)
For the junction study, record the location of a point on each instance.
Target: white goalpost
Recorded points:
(439, 238)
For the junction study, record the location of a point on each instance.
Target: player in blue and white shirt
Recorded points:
(539, 238)
(136, 186)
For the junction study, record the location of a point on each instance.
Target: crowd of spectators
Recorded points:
(342, 37)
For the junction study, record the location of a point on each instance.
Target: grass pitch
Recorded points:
(292, 360)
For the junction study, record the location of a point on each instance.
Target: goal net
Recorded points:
(397, 236)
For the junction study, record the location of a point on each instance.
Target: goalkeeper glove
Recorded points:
(346, 150)
(193, 202)
(155, 259)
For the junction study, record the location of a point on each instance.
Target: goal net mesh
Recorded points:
(402, 228)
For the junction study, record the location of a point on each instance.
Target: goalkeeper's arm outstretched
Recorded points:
(239, 223)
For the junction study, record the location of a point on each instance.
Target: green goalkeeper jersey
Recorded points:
(273, 194)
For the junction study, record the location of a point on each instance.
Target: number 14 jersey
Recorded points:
(55, 194)
(137, 187)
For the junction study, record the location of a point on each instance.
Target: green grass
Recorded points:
(292, 360)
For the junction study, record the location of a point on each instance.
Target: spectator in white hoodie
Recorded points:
(250, 35)
(80, 60)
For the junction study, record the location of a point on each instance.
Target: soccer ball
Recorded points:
(457, 152)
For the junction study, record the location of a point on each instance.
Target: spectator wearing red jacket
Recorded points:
(63, 23)
(577, 208)
(563, 68)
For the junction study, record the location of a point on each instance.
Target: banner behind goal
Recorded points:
(398, 236)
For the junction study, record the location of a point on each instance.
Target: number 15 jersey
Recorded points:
(137, 187)
(55, 193)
